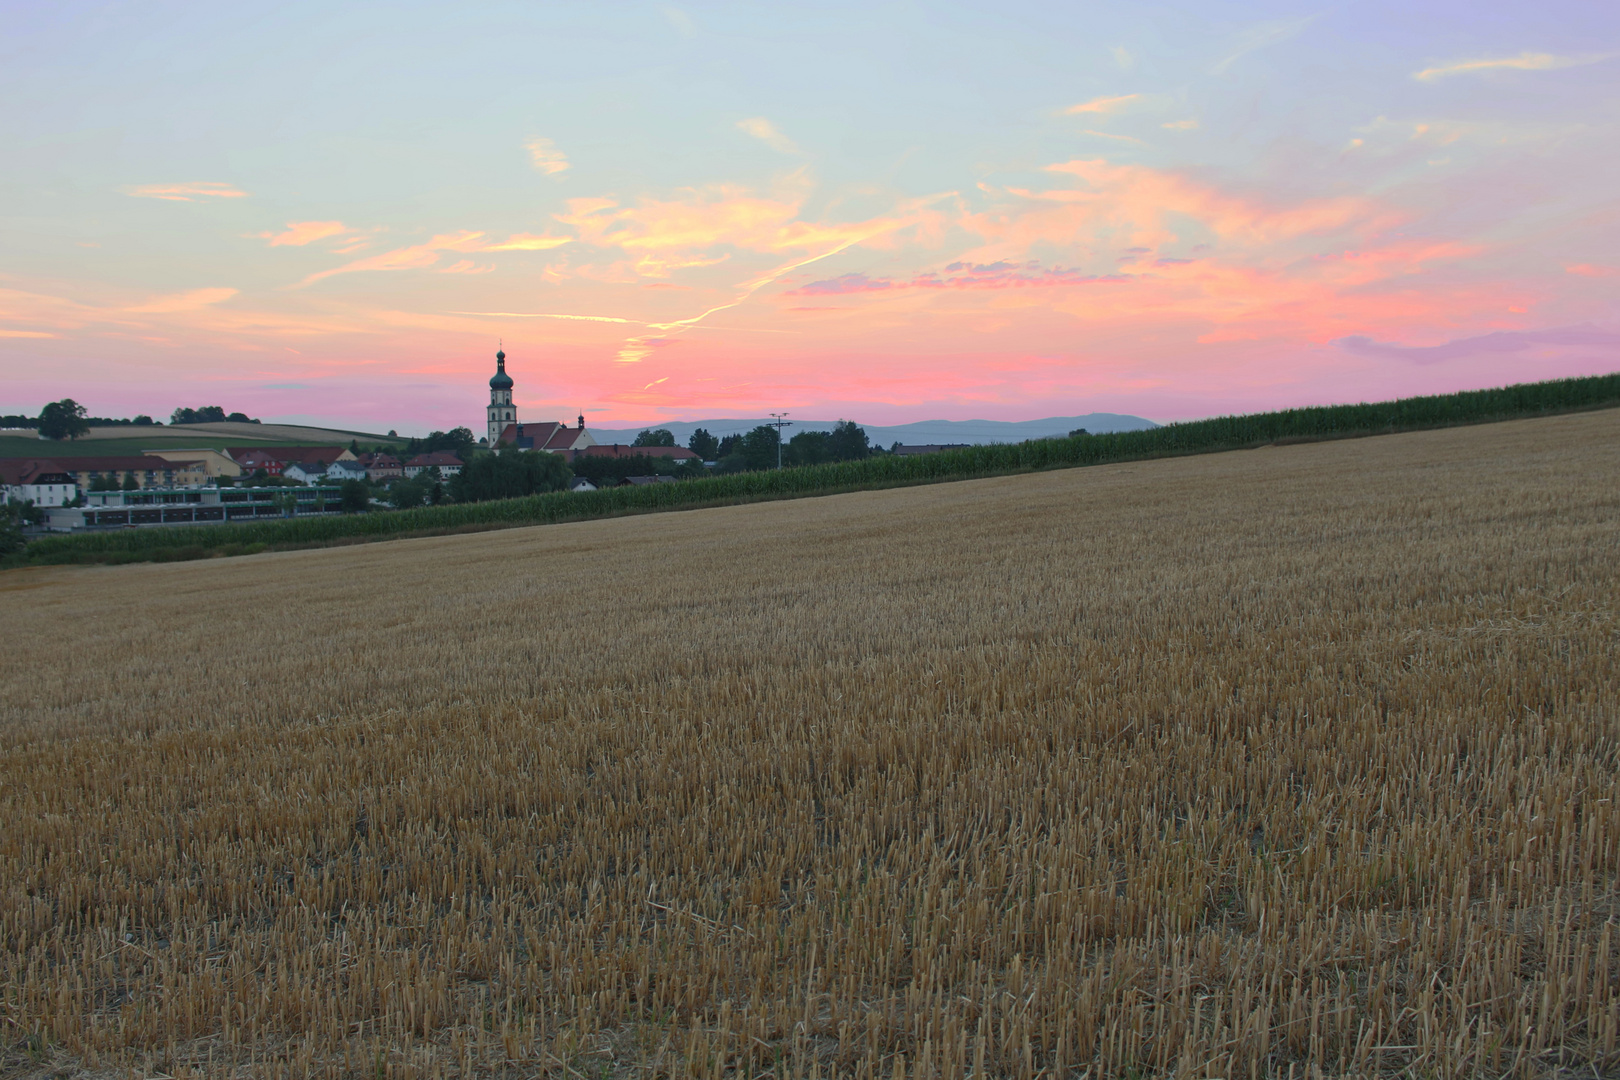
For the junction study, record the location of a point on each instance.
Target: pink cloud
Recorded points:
(1102, 105)
(299, 233)
(1503, 341)
(960, 275)
(686, 229)
(190, 192)
(1146, 207)
(426, 255)
(182, 302)
(1591, 270)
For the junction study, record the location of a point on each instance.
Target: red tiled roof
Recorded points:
(438, 457)
(29, 470)
(124, 464)
(624, 450)
(547, 435)
(289, 454)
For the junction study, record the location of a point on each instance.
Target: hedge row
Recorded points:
(1200, 436)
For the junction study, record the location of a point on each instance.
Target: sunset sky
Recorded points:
(891, 212)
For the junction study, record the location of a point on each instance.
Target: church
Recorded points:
(556, 437)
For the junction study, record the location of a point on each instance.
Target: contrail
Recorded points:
(547, 315)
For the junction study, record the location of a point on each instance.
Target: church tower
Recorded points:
(501, 410)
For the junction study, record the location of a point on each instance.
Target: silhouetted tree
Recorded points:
(510, 474)
(655, 437)
(704, 445)
(759, 447)
(208, 414)
(63, 419)
(807, 448)
(848, 442)
(354, 496)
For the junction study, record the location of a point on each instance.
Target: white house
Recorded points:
(447, 464)
(305, 472)
(43, 483)
(339, 471)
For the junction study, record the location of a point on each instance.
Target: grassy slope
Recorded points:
(1202, 436)
(122, 441)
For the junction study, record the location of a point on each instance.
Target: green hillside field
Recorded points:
(1214, 435)
(160, 438)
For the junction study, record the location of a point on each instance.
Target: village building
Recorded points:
(501, 413)
(555, 436)
(341, 470)
(304, 472)
(215, 462)
(382, 466)
(625, 450)
(504, 428)
(36, 480)
(447, 464)
(149, 472)
(286, 455)
(251, 461)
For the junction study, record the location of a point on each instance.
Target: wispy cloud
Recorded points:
(299, 233)
(548, 315)
(1102, 105)
(545, 157)
(1117, 138)
(26, 334)
(1260, 36)
(1123, 57)
(1592, 270)
(1180, 125)
(425, 256)
(1526, 61)
(186, 301)
(1139, 205)
(763, 130)
(800, 235)
(528, 242)
(1502, 341)
(962, 275)
(200, 189)
(696, 221)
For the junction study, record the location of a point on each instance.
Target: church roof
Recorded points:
(545, 435)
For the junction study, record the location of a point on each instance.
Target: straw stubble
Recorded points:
(1290, 761)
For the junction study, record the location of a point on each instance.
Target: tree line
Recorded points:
(67, 419)
(758, 449)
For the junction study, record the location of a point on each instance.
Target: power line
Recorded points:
(779, 421)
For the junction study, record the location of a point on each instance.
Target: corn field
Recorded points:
(1291, 762)
(1223, 433)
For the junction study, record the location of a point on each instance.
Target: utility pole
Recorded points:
(779, 421)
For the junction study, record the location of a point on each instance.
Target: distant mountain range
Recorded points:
(973, 432)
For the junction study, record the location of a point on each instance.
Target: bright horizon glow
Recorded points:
(334, 213)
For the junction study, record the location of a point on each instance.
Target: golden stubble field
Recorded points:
(1296, 762)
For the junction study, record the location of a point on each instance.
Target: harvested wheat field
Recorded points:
(1292, 762)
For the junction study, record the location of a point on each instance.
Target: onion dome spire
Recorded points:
(501, 380)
